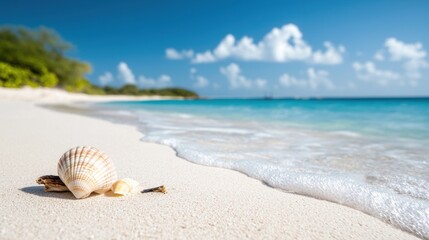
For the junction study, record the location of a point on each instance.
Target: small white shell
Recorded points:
(85, 170)
(124, 186)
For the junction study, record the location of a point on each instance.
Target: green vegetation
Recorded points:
(133, 90)
(36, 58)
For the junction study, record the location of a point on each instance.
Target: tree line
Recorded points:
(36, 58)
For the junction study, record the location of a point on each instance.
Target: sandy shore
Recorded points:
(202, 202)
(50, 95)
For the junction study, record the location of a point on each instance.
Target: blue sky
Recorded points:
(245, 48)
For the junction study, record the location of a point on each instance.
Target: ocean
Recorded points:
(369, 154)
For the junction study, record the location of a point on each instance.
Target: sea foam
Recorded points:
(384, 176)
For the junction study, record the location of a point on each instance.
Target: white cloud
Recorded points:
(289, 81)
(261, 83)
(314, 80)
(379, 56)
(161, 81)
(332, 55)
(125, 74)
(402, 51)
(105, 79)
(237, 80)
(279, 45)
(319, 78)
(173, 54)
(200, 81)
(412, 56)
(413, 67)
(205, 57)
(232, 72)
(368, 71)
(164, 79)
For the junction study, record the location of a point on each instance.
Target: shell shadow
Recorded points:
(40, 192)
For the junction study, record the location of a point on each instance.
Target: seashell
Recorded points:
(85, 170)
(124, 186)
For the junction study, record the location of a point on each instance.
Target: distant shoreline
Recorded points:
(52, 95)
(55, 94)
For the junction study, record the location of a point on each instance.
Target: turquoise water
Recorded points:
(368, 154)
(408, 118)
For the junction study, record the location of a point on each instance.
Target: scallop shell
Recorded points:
(124, 186)
(85, 170)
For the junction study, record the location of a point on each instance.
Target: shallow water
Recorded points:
(368, 154)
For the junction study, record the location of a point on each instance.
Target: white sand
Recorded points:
(202, 202)
(50, 95)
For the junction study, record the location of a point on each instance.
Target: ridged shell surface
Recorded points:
(85, 170)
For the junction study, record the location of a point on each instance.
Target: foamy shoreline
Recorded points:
(203, 202)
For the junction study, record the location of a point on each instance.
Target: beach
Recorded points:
(202, 202)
